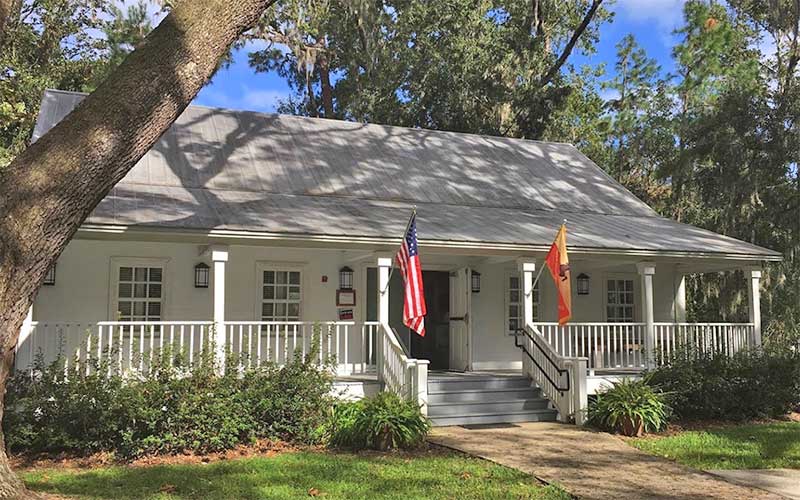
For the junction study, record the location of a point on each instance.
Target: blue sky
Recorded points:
(651, 22)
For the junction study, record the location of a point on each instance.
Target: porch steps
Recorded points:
(474, 398)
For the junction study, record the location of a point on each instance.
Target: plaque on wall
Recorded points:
(345, 298)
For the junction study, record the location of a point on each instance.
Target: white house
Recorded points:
(249, 228)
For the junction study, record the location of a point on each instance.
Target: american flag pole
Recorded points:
(405, 231)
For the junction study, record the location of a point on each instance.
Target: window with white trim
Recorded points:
(619, 301)
(140, 292)
(281, 295)
(515, 309)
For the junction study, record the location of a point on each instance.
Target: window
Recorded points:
(619, 301)
(515, 307)
(140, 293)
(281, 295)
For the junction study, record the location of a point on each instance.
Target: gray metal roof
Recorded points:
(238, 170)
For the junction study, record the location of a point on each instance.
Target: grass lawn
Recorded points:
(753, 446)
(298, 475)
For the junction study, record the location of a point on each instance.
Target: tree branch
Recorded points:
(52, 186)
(576, 35)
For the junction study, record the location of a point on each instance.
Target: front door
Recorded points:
(460, 330)
(434, 346)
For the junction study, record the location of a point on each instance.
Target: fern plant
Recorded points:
(630, 407)
(382, 422)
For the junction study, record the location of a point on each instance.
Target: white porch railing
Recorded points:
(727, 338)
(561, 378)
(349, 345)
(406, 377)
(124, 347)
(621, 346)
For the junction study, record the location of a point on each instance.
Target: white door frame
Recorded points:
(467, 318)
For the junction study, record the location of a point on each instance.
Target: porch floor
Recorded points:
(372, 377)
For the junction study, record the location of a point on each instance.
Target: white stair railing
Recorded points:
(562, 379)
(406, 377)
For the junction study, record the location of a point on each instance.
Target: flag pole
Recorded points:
(536, 280)
(391, 269)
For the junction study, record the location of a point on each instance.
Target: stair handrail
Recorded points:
(543, 348)
(399, 373)
(542, 364)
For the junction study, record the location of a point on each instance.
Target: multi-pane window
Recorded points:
(281, 295)
(619, 301)
(515, 312)
(140, 293)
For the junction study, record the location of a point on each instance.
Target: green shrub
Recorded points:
(169, 410)
(749, 385)
(382, 422)
(629, 406)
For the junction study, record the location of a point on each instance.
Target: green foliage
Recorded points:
(384, 421)
(62, 44)
(629, 402)
(749, 385)
(168, 410)
(454, 65)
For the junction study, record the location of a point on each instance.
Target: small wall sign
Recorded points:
(345, 297)
(345, 314)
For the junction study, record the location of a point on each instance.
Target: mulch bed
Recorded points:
(262, 448)
(702, 425)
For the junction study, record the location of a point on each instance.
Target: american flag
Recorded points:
(414, 308)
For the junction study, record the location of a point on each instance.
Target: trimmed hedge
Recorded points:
(166, 411)
(749, 385)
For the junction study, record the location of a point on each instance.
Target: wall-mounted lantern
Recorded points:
(345, 278)
(476, 282)
(583, 284)
(50, 277)
(201, 275)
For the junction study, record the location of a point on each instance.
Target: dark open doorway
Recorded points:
(435, 346)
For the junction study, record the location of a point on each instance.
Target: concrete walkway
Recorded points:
(591, 465)
(785, 482)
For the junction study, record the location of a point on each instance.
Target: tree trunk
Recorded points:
(325, 83)
(8, 9)
(52, 186)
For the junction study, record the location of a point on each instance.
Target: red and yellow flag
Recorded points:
(558, 263)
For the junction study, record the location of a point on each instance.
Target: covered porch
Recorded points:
(626, 309)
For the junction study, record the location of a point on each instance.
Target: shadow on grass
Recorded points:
(293, 475)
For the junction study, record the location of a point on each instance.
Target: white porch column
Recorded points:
(527, 269)
(646, 271)
(384, 266)
(754, 296)
(680, 298)
(219, 255)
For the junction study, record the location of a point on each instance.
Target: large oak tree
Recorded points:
(52, 186)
